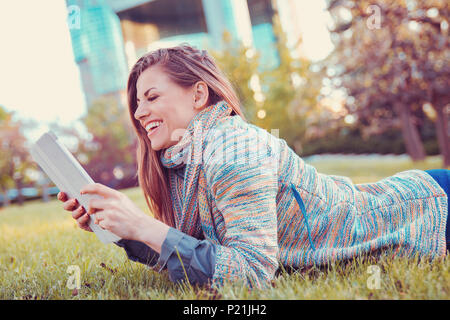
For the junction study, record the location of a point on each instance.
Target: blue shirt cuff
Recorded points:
(187, 258)
(173, 237)
(139, 252)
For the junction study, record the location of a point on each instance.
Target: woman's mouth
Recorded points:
(153, 130)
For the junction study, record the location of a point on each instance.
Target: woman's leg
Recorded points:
(442, 176)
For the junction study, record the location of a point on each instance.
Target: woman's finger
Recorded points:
(71, 204)
(62, 196)
(98, 204)
(83, 222)
(104, 224)
(100, 189)
(78, 212)
(100, 215)
(83, 219)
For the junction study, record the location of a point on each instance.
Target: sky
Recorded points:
(39, 79)
(313, 20)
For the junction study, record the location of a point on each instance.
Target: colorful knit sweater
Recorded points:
(262, 206)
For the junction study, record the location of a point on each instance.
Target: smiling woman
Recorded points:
(231, 202)
(172, 86)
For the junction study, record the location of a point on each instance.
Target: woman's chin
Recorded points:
(156, 146)
(159, 145)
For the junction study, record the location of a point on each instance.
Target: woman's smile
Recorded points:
(153, 130)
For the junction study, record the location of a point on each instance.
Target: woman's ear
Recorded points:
(201, 95)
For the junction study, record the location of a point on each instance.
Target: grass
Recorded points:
(39, 241)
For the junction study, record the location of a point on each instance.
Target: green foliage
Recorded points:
(394, 65)
(106, 119)
(110, 143)
(292, 92)
(288, 105)
(15, 160)
(3, 114)
(113, 143)
(285, 103)
(238, 64)
(353, 139)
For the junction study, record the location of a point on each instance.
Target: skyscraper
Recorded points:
(112, 34)
(159, 23)
(98, 48)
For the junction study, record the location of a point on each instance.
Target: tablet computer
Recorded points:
(68, 175)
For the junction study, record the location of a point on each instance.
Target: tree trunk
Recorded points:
(443, 133)
(20, 199)
(411, 137)
(5, 198)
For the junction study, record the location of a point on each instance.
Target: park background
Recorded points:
(356, 88)
(345, 77)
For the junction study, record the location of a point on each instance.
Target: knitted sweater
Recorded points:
(264, 206)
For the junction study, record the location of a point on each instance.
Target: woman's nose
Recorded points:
(140, 112)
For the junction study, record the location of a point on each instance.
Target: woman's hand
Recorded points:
(78, 212)
(115, 212)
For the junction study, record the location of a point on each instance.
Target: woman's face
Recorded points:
(159, 98)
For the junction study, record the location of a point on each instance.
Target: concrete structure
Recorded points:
(113, 34)
(98, 48)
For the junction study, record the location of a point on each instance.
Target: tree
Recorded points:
(394, 65)
(292, 92)
(239, 64)
(112, 147)
(283, 98)
(15, 159)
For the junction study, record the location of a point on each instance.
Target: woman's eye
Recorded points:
(152, 98)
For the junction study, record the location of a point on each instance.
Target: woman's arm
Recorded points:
(152, 232)
(245, 194)
(198, 257)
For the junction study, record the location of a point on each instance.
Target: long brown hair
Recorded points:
(185, 66)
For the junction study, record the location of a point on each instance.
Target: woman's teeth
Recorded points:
(152, 125)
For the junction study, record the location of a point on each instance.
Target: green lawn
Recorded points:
(39, 241)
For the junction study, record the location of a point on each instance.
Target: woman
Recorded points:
(233, 202)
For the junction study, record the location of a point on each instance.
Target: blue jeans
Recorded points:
(442, 176)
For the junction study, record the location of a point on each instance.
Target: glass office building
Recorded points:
(98, 48)
(113, 34)
(202, 23)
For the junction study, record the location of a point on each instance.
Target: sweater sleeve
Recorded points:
(245, 189)
(240, 167)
